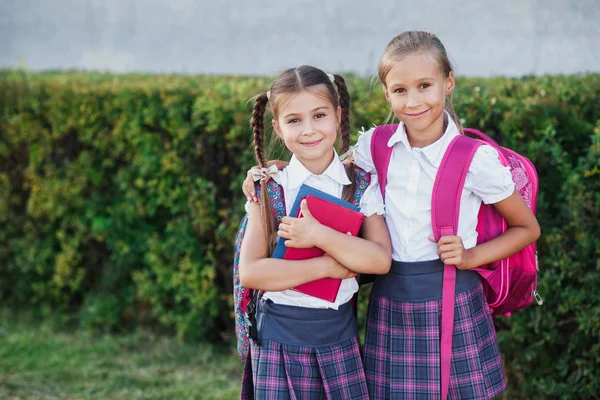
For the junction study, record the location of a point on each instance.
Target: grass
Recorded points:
(38, 361)
(44, 361)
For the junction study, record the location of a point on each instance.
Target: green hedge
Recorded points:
(120, 197)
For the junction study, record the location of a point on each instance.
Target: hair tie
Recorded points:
(263, 174)
(348, 154)
(268, 95)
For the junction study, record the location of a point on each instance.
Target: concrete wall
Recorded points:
(483, 38)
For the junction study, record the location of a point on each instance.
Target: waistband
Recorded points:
(302, 326)
(420, 281)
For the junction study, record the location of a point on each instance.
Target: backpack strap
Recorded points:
(482, 136)
(251, 296)
(276, 197)
(362, 180)
(445, 209)
(382, 153)
(449, 183)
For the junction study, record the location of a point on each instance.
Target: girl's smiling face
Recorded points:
(416, 89)
(307, 122)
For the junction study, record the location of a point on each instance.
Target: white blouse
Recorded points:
(411, 175)
(331, 181)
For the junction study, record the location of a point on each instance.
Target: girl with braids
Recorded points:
(402, 341)
(308, 347)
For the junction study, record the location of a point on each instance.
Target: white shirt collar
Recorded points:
(435, 151)
(297, 173)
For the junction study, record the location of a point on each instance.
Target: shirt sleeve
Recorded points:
(371, 201)
(362, 153)
(487, 178)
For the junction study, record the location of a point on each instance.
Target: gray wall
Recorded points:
(483, 38)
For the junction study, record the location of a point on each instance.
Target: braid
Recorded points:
(344, 100)
(258, 129)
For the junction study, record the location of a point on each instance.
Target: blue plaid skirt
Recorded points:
(402, 342)
(304, 353)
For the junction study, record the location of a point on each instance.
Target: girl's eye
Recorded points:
(319, 115)
(399, 90)
(424, 85)
(293, 121)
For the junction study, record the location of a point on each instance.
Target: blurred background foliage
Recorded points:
(120, 198)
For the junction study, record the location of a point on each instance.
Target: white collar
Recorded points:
(297, 173)
(433, 152)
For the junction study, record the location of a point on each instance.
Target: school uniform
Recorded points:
(402, 342)
(308, 347)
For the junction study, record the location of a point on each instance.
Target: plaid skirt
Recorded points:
(304, 354)
(402, 342)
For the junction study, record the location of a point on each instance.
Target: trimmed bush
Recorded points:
(120, 197)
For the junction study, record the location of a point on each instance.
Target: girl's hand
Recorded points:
(302, 232)
(348, 161)
(248, 185)
(452, 252)
(335, 270)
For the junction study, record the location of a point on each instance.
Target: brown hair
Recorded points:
(411, 42)
(289, 82)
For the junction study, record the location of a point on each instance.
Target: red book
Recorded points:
(329, 211)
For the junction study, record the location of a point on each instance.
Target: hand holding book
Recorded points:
(299, 237)
(304, 231)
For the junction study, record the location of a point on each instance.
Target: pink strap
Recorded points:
(445, 209)
(448, 287)
(382, 153)
(449, 183)
(482, 136)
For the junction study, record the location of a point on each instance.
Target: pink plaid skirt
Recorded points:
(402, 343)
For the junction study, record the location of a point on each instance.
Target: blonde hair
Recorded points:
(411, 42)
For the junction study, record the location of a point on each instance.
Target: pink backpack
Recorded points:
(510, 284)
